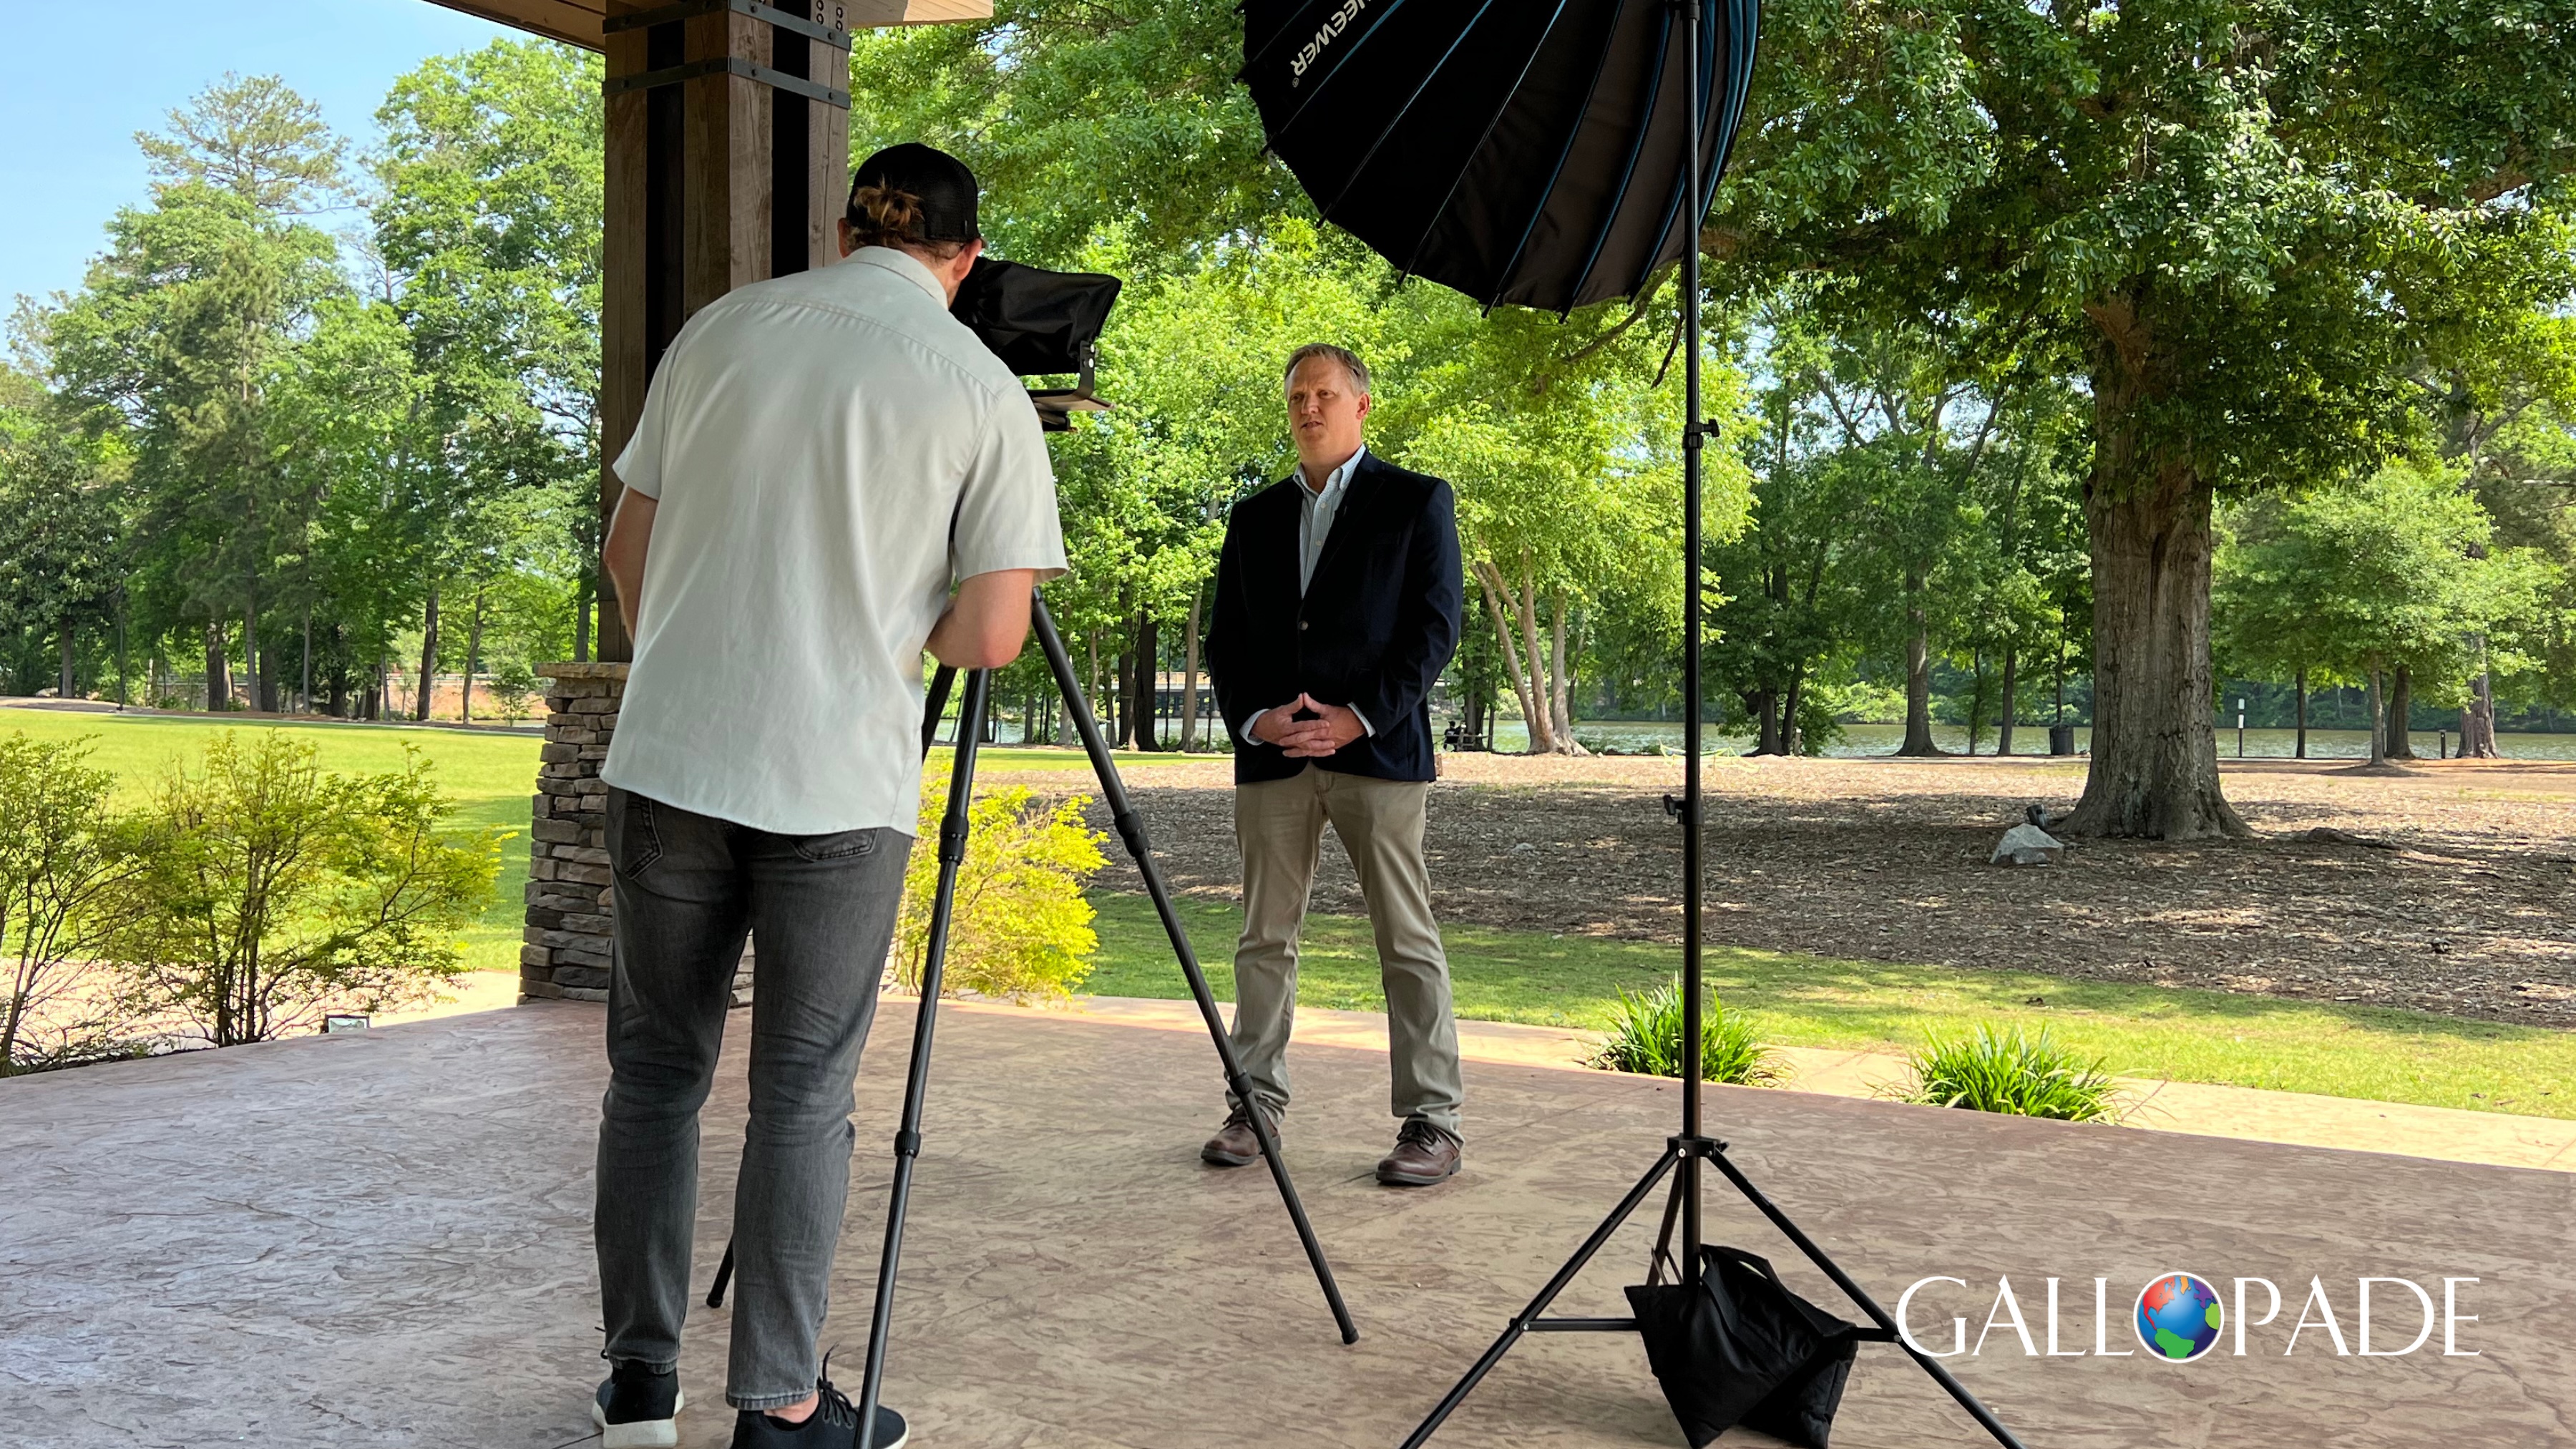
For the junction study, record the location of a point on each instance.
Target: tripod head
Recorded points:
(1041, 322)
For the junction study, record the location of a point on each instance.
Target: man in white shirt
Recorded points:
(820, 459)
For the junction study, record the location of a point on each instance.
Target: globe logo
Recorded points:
(2179, 1317)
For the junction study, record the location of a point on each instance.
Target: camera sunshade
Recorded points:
(1040, 322)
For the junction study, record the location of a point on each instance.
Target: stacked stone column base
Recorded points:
(570, 939)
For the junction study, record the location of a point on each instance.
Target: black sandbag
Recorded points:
(1739, 1348)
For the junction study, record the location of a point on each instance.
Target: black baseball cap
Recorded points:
(945, 186)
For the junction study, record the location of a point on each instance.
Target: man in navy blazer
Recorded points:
(1337, 606)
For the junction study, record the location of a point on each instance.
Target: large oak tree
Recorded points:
(2248, 217)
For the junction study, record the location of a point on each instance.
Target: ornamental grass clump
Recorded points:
(2023, 1076)
(1646, 1037)
(1021, 928)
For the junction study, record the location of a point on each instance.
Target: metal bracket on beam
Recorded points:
(729, 65)
(781, 19)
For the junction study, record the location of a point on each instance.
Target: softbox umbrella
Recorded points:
(1521, 153)
(1040, 322)
(1548, 154)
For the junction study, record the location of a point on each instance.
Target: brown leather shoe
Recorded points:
(1423, 1155)
(1234, 1145)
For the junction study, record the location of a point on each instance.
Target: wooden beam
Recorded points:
(578, 22)
(575, 22)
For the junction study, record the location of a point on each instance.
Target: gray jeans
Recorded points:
(688, 888)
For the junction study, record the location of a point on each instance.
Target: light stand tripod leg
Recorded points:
(1131, 830)
(907, 1138)
(1522, 1323)
(1977, 1410)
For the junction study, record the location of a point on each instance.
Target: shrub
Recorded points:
(1646, 1036)
(514, 691)
(2024, 1076)
(63, 853)
(1021, 927)
(270, 893)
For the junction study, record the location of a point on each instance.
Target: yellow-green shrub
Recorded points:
(1021, 927)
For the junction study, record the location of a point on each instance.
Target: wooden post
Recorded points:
(713, 182)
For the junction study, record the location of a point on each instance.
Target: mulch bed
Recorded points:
(2459, 903)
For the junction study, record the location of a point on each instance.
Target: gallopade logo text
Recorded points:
(1313, 50)
(2181, 1317)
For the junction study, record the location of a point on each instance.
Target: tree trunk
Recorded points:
(1542, 719)
(2300, 683)
(1764, 706)
(1560, 707)
(2004, 721)
(339, 706)
(1918, 671)
(1190, 676)
(2401, 707)
(2477, 717)
(2378, 724)
(1149, 683)
(66, 688)
(428, 651)
(1790, 742)
(2154, 770)
(1091, 681)
(473, 659)
(304, 693)
(219, 667)
(1533, 707)
(260, 691)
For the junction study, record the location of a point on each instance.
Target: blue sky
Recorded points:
(69, 161)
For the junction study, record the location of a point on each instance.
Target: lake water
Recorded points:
(1858, 740)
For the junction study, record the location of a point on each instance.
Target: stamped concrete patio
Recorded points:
(382, 1239)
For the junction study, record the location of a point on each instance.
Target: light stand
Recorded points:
(1692, 1146)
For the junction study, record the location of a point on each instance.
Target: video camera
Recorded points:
(1040, 322)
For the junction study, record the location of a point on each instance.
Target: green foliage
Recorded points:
(1082, 120)
(514, 689)
(270, 893)
(63, 856)
(1646, 1036)
(2026, 1076)
(2398, 569)
(1021, 926)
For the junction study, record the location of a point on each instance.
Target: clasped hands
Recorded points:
(1332, 727)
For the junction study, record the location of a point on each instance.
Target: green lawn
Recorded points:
(489, 776)
(2192, 1036)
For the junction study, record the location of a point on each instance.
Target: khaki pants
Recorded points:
(1280, 826)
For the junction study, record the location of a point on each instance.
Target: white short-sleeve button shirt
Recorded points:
(831, 451)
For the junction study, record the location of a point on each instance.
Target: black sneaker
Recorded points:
(637, 1407)
(834, 1424)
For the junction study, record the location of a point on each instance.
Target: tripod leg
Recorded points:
(907, 1138)
(1132, 831)
(1547, 1295)
(1984, 1416)
(724, 1275)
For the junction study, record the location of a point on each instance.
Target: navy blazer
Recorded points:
(1373, 631)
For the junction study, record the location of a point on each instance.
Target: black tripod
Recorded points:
(1692, 1146)
(952, 854)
